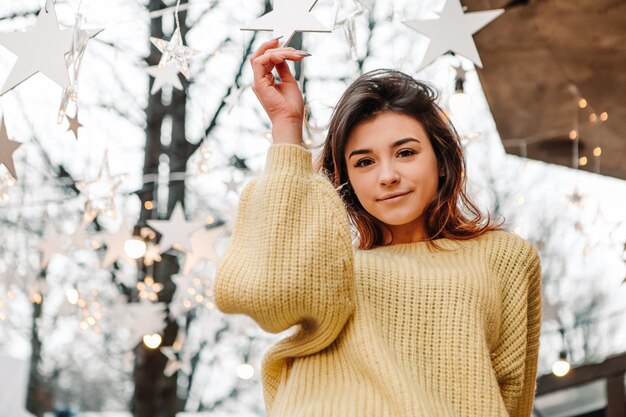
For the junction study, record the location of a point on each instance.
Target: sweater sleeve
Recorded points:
(515, 356)
(289, 259)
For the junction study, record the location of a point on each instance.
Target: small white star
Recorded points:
(174, 51)
(164, 76)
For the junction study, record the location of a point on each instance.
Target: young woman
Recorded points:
(434, 311)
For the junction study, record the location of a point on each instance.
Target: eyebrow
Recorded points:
(393, 145)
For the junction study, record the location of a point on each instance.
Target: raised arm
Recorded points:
(289, 260)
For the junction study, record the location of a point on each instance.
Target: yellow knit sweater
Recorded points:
(394, 331)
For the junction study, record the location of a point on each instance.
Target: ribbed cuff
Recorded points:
(287, 157)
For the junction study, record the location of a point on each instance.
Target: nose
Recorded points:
(388, 174)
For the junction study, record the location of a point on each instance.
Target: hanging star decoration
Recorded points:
(7, 148)
(74, 125)
(164, 76)
(576, 198)
(115, 243)
(51, 243)
(176, 231)
(453, 32)
(287, 18)
(202, 247)
(100, 193)
(74, 59)
(174, 51)
(41, 48)
(347, 23)
(231, 185)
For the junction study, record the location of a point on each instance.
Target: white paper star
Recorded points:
(287, 18)
(176, 231)
(453, 31)
(100, 193)
(203, 247)
(41, 48)
(7, 148)
(174, 51)
(164, 76)
(50, 244)
(115, 245)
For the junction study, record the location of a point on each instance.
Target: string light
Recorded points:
(582, 161)
(245, 371)
(561, 367)
(597, 151)
(582, 103)
(604, 116)
(152, 341)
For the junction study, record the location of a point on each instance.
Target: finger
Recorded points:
(270, 59)
(284, 72)
(272, 43)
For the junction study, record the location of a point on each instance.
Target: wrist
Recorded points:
(287, 133)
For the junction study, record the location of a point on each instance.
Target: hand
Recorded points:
(282, 102)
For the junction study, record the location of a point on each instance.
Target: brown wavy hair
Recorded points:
(450, 214)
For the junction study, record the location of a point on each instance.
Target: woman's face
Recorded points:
(390, 154)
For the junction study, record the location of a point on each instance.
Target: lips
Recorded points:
(394, 196)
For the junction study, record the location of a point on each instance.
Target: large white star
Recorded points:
(167, 75)
(7, 148)
(176, 231)
(41, 48)
(453, 32)
(287, 18)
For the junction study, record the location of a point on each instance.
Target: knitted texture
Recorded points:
(392, 331)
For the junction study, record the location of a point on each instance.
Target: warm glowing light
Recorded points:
(517, 230)
(582, 103)
(245, 371)
(561, 367)
(210, 220)
(573, 134)
(152, 341)
(135, 248)
(593, 117)
(72, 296)
(520, 200)
(582, 161)
(149, 205)
(604, 116)
(597, 151)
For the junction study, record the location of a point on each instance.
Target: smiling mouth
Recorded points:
(398, 197)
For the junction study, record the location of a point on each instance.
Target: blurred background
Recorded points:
(106, 303)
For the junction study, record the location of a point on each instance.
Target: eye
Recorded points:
(408, 152)
(359, 164)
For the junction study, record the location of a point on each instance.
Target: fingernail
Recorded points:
(276, 38)
(302, 53)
